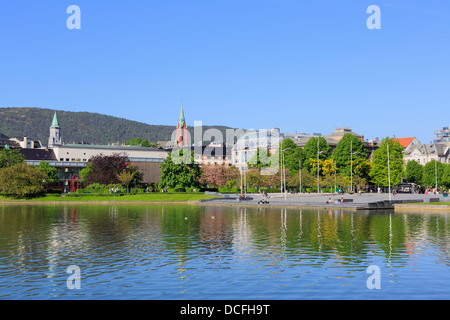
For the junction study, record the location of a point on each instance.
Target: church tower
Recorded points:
(182, 131)
(55, 133)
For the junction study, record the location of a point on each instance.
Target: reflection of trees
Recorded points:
(33, 236)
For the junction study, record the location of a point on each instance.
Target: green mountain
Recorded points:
(82, 126)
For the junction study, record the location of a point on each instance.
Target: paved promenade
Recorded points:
(364, 201)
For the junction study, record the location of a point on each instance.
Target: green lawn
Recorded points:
(434, 203)
(155, 197)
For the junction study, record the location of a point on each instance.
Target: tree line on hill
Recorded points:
(86, 127)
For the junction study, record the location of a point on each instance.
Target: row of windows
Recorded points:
(73, 160)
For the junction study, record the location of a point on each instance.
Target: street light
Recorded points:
(389, 171)
(351, 164)
(318, 183)
(435, 173)
(283, 174)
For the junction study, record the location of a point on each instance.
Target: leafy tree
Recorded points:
(260, 159)
(125, 178)
(310, 151)
(50, 171)
(220, 176)
(348, 149)
(22, 180)
(446, 176)
(379, 171)
(180, 174)
(432, 169)
(414, 172)
(293, 154)
(10, 157)
(138, 142)
(361, 169)
(308, 180)
(104, 169)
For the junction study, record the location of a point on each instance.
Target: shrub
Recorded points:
(22, 180)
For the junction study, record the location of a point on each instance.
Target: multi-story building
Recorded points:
(70, 159)
(443, 136)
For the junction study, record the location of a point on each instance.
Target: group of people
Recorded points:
(264, 198)
(339, 201)
(112, 190)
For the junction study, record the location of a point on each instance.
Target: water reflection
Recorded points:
(166, 251)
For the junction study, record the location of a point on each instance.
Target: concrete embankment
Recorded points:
(333, 201)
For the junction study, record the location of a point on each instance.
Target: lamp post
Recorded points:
(300, 174)
(389, 171)
(351, 164)
(283, 173)
(435, 174)
(318, 152)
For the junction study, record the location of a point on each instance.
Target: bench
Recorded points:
(345, 200)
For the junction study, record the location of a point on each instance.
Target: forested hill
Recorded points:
(82, 126)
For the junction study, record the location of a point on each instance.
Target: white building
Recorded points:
(424, 153)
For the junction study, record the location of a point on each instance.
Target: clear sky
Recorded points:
(299, 65)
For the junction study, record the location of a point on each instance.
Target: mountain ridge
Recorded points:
(82, 126)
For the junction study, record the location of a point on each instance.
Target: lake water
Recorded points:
(187, 252)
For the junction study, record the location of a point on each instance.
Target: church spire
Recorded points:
(55, 121)
(182, 132)
(181, 121)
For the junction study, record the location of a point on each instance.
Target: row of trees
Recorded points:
(347, 165)
(430, 174)
(315, 163)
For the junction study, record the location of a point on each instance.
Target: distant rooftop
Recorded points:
(109, 147)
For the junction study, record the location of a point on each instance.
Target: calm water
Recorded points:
(190, 252)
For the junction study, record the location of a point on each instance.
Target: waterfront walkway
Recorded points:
(365, 201)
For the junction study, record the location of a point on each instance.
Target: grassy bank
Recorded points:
(433, 203)
(150, 197)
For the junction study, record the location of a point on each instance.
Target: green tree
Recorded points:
(22, 180)
(348, 149)
(414, 172)
(293, 154)
(125, 178)
(10, 157)
(50, 171)
(138, 142)
(180, 174)
(311, 149)
(260, 159)
(432, 170)
(379, 171)
(446, 176)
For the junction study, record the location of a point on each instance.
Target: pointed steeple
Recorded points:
(181, 121)
(55, 121)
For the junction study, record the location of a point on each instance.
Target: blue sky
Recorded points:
(306, 66)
